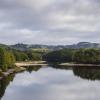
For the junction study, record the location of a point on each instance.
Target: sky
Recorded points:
(49, 22)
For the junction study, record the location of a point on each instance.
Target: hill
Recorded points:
(25, 47)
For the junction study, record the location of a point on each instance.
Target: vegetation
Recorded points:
(87, 73)
(85, 56)
(29, 55)
(20, 56)
(7, 59)
(64, 55)
(34, 56)
(42, 50)
(8, 56)
(4, 83)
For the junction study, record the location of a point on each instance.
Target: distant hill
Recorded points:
(4, 46)
(24, 47)
(84, 45)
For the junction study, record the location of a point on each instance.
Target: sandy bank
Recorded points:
(34, 63)
(87, 65)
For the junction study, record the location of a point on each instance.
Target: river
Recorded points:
(52, 83)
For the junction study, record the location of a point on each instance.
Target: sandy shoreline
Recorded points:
(44, 63)
(20, 66)
(34, 63)
(85, 65)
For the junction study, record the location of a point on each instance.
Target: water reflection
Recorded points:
(87, 73)
(33, 68)
(4, 83)
(54, 83)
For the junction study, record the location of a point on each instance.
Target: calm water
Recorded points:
(49, 83)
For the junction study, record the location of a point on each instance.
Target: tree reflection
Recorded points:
(89, 73)
(60, 67)
(33, 68)
(4, 83)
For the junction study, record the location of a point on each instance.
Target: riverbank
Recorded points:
(44, 63)
(31, 63)
(80, 65)
(11, 71)
(20, 66)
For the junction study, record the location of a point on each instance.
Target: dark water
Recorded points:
(52, 83)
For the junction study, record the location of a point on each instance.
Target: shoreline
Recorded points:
(79, 65)
(31, 63)
(44, 63)
(11, 71)
(20, 66)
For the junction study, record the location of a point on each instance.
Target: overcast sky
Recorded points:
(49, 21)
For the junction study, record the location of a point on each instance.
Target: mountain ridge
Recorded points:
(23, 47)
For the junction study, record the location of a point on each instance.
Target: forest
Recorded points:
(8, 57)
(83, 56)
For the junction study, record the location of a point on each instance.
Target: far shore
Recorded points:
(44, 63)
(76, 64)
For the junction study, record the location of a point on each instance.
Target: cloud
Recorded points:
(49, 21)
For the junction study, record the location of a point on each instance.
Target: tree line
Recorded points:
(85, 56)
(8, 57)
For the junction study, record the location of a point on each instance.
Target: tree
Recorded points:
(20, 56)
(6, 59)
(10, 59)
(34, 56)
(87, 56)
(64, 55)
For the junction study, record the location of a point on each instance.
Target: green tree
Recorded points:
(6, 59)
(34, 56)
(64, 55)
(87, 56)
(20, 56)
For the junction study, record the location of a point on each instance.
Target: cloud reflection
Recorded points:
(51, 84)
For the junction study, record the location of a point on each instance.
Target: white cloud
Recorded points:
(39, 21)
